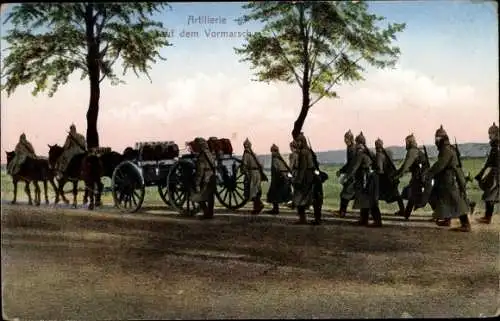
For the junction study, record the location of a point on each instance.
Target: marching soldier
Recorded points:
(347, 193)
(23, 150)
(205, 179)
(292, 163)
(448, 193)
(388, 188)
(253, 168)
(489, 183)
(75, 144)
(365, 184)
(416, 163)
(307, 183)
(279, 189)
(292, 158)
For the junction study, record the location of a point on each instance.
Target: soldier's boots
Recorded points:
(464, 224)
(275, 210)
(301, 211)
(444, 222)
(317, 214)
(377, 217)
(208, 211)
(343, 207)
(486, 219)
(364, 217)
(258, 206)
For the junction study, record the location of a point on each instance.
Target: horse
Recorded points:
(109, 161)
(85, 167)
(32, 170)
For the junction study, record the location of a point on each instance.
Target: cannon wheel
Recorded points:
(180, 182)
(232, 184)
(163, 191)
(128, 187)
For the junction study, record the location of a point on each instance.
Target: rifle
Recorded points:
(76, 142)
(426, 157)
(457, 151)
(263, 176)
(322, 175)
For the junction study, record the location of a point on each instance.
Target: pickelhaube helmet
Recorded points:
(274, 148)
(379, 143)
(411, 140)
(247, 143)
(440, 132)
(360, 139)
(493, 130)
(348, 135)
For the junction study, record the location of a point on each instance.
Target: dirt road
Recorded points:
(72, 264)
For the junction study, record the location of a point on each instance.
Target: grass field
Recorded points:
(332, 188)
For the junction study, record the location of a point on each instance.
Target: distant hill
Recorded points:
(469, 150)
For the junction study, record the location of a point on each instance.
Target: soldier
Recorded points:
(23, 150)
(279, 189)
(489, 183)
(253, 168)
(292, 164)
(347, 193)
(205, 179)
(307, 184)
(388, 188)
(416, 163)
(448, 193)
(365, 184)
(75, 144)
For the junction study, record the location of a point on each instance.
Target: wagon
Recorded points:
(232, 182)
(148, 165)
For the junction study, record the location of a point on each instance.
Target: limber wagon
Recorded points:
(148, 165)
(160, 164)
(232, 182)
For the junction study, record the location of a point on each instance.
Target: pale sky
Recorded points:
(447, 74)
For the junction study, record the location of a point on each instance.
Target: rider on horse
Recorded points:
(23, 150)
(75, 144)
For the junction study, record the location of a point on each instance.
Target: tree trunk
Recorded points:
(306, 85)
(94, 75)
(299, 122)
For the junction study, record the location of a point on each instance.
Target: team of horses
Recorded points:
(87, 167)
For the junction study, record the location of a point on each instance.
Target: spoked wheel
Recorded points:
(232, 184)
(163, 191)
(180, 181)
(128, 187)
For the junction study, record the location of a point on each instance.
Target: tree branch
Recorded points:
(339, 53)
(290, 65)
(334, 82)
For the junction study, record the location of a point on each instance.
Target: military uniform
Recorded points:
(279, 189)
(253, 168)
(365, 184)
(307, 184)
(448, 193)
(388, 188)
(416, 163)
(348, 192)
(489, 183)
(75, 144)
(205, 179)
(23, 150)
(292, 163)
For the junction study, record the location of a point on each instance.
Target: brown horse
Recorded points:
(82, 167)
(32, 170)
